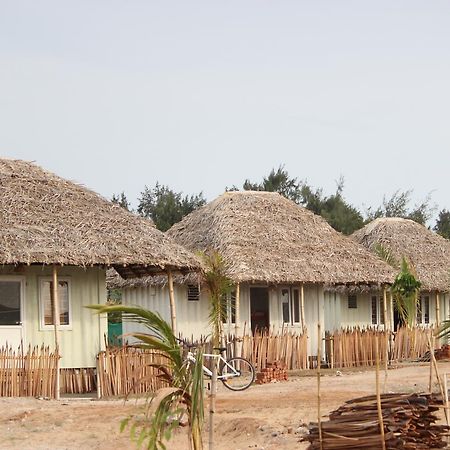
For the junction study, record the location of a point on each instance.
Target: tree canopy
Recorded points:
(165, 206)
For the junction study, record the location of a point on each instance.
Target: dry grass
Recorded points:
(428, 252)
(46, 219)
(264, 237)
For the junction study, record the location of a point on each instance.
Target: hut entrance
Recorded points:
(259, 308)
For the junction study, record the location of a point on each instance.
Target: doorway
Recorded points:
(259, 308)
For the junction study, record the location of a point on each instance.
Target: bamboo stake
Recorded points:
(319, 422)
(212, 403)
(377, 378)
(302, 306)
(173, 314)
(237, 319)
(56, 320)
(438, 315)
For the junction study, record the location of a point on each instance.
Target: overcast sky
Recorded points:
(200, 95)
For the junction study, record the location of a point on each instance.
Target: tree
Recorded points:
(184, 394)
(334, 209)
(398, 206)
(442, 226)
(167, 207)
(121, 200)
(405, 293)
(219, 286)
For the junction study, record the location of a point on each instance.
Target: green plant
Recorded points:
(184, 394)
(405, 290)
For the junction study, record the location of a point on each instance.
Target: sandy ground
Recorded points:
(265, 417)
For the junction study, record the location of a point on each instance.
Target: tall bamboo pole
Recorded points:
(319, 421)
(302, 306)
(438, 315)
(377, 381)
(56, 320)
(173, 312)
(237, 319)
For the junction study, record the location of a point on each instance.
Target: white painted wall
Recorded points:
(80, 344)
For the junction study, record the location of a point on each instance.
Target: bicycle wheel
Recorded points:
(238, 374)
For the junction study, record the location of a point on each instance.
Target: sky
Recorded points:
(200, 95)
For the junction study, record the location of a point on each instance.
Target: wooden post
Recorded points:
(237, 319)
(385, 317)
(391, 306)
(377, 378)
(438, 315)
(319, 421)
(173, 312)
(56, 320)
(302, 306)
(431, 347)
(212, 403)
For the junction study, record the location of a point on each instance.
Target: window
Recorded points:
(290, 306)
(193, 292)
(10, 294)
(229, 308)
(46, 300)
(377, 310)
(352, 302)
(423, 310)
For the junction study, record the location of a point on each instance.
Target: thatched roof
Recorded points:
(427, 251)
(46, 219)
(264, 237)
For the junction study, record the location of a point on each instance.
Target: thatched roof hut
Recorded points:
(46, 219)
(264, 237)
(428, 252)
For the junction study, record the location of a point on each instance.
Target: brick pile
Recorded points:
(275, 371)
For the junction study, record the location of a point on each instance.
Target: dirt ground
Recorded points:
(268, 417)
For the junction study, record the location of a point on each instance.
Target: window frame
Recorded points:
(422, 313)
(291, 306)
(42, 325)
(190, 298)
(21, 281)
(351, 296)
(379, 302)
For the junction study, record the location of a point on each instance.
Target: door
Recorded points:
(259, 308)
(10, 312)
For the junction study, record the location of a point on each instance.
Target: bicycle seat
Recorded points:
(221, 349)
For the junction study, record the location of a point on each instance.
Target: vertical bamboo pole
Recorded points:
(431, 347)
(438, 315)
(212, 403)
(56, 319)
(377, 378)
(319, 422)
(237, 319)
(391, 307)
(302, 306)
(173, 312)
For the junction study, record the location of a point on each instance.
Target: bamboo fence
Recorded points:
(127, 370)
(411, 343)
(30, 374)
(266, 347)
(355, 347)
(78, 381)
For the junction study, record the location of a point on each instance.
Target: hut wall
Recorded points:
(361, 315)
(332, 313)
(81, 341)
(192, 316)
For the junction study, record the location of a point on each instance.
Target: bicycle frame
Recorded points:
(233, 371)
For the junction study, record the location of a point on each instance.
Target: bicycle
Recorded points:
(237, 374)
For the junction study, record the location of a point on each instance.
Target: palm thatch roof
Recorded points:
(46, 219)
(263, 237)
(428, 252)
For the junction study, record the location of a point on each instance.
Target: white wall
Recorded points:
(80, 344)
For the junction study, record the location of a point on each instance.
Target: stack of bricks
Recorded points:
(275, 371)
